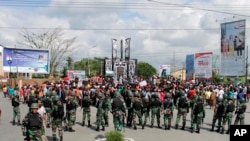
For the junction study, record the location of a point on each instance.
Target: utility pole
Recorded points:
(246, 53)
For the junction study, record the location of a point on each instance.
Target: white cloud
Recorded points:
(186, 29)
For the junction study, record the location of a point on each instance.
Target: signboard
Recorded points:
(233, 48)
(164, 70)
(72, 74)
(203, 65)
(25, 60)
(190, 67)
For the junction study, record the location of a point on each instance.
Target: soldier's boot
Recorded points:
(218, 130)
(222, 131)
(61, 138)
(66, 128)
(54, 138)
(227, 132)
(107, 124)
(212, 128)
(13, 122)
(83, 123)
(89, 125)
(198, 130)
(192, 130)
(97, 129)
(183, 126)
(159, 126)
(151, 126)
(166, 127)
(176, 126)
(143, 126)
(71, 130)
(18, 123)
(103, 128)
(169, 127)
(135, 127)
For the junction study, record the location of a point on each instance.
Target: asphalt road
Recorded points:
(8, 132)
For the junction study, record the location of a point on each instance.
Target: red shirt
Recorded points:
(191, 93)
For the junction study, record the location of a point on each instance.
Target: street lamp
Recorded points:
(88, 59)
(9, 59)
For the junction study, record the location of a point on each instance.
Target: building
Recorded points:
(179, 73)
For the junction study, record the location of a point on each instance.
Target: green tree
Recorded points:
(145, 70)
(70, 62)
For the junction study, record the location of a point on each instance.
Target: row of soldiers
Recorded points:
(127, 107)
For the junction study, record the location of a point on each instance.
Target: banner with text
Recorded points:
(190, 67)
(203, 65)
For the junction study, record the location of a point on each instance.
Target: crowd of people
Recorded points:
(55, 105)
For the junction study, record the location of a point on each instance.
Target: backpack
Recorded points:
(85, 102)
(47, 103)
(32, 100)
(230, 108)
(58, 112)
(14, 103)
(242, 109)
(70, 105)
(117, 103)
(137, 105)
(182, 102)
(220, 109)
(155, 103)
(34, 121)
(167, 104)
(198, 108)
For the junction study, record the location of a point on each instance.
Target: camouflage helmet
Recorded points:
(143, 93)
(73, 93)
(117, 94)
(48, 93)
(56, 98)
(130, 94)
(182, 93)
(242, 100)
(195, 96)
(167, 95)
(219, 100)
(200, 98)
(225, 96)
(34, 106)
(136, 94)
(100, 95)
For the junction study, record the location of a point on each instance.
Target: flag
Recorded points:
(127, 48)
(114, 49)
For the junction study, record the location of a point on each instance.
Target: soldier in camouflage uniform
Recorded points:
(199, 114)
(118, 111)
(228, 116)
(71, 106)
(107, 108)
(219, 111)
(47, 103)
(182, 106)
(168, 108)
(240, 112)
(100, 113)
(16, 109)
(192, 103)
(155, 106)
(32, 125)
(128, 100)
(137, 107)
(145, 109)
(57, 113)
(86, 103)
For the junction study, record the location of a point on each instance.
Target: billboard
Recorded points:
(233, 48)
(203, 65)
(25, 60)
(72, 74)
(164, 70)
(190, 67)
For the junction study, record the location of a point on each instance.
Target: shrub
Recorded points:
(114, 136)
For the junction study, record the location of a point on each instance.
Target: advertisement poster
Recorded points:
(164, 70)
(233, 48)
(190, 67)
(25, 60)
(203, 65)
(72, 74)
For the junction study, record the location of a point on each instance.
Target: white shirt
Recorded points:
(220, 94)
(41, 111)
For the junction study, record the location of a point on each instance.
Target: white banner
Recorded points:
(203, 65)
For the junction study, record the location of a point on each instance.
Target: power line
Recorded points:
(210, 10)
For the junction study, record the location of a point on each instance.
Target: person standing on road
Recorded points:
(32, 125)
(182, 105)
(230, 108)
(199, 114)
(168, 108)
(16, 109)
(240, 112)
(137, 108)
(155, 105)
(71, 106)
(86, 103)
(57, 114)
